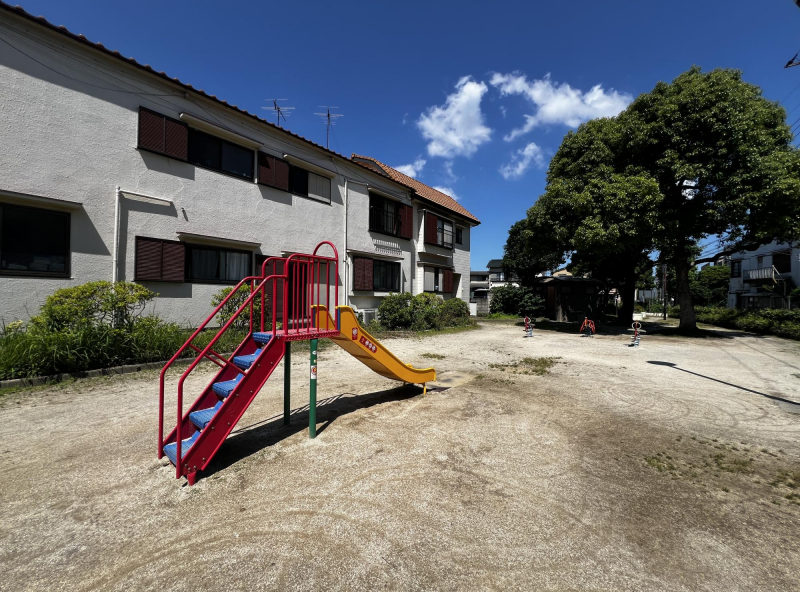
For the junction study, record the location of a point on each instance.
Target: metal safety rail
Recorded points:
(299, 283)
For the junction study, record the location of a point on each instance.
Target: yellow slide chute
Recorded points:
(358, 343)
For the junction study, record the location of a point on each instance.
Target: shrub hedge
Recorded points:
(422, 312)
(771, 321)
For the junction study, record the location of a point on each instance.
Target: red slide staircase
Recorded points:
(288, 290)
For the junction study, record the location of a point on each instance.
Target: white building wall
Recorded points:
(750, 261)
(461, 264)
(66, 139)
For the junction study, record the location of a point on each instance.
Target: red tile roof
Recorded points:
(40, 20)
(423, 190)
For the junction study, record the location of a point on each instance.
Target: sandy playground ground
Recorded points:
(673, 466)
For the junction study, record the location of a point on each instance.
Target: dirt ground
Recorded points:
(673, 466)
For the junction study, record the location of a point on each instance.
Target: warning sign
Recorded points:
(313, 372)
(355, 333)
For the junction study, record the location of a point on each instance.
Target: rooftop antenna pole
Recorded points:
(329, 119)
(279, 111)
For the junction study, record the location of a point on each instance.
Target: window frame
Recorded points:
(459, 236)
(67, 273)
(221, 170)
(374, 197)
(376, 263)
(736, 268)
(190, 279)
(441, 233)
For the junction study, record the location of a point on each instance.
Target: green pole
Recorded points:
(287, 383)
(312, 402)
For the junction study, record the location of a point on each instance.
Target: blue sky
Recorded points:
(473, 98)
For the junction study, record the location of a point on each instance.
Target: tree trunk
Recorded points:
(688, 319)
(627, 291)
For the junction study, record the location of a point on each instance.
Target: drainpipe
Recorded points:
(345, 287)
(116, 235)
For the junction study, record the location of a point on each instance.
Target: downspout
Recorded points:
(346, 274)
(116, 235)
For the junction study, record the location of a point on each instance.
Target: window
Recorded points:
(163, 135)
(438, 280)
(34, 242)
(273, 171)
(459, 236)
(298, 181)
(444, 233)
(215, 265)
(384, 216)
(216, 154)
(385, 276)
(159, 260)
(760, 261)
(319, 187)
(736, 269)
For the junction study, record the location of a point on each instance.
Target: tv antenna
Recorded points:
(329, 119)
(280, 111)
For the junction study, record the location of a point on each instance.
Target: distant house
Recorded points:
(479, 295)
(763, 278)
(497, 275)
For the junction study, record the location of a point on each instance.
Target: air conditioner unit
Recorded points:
(370, 314)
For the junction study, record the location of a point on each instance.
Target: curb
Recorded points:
(115, 370)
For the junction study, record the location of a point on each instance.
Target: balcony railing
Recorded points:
(384, 221)
(762, 273)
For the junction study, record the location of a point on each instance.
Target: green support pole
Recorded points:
(287, 383)
(312, 400)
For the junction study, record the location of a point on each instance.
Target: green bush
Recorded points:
(783, 323)
(92, 304)
(395, 311)
(454, 313)
(515, 300)
(422, 312)
(236, 301)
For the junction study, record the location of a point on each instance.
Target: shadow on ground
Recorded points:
(247, 440)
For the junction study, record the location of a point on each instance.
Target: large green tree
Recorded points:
(722, 157)
(704, 156)
(596, 212)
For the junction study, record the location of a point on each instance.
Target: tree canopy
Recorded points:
(705, 155)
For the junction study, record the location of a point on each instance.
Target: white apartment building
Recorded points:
(114, 171)
(763, 277)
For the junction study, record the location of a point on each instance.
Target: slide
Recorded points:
(357, 342)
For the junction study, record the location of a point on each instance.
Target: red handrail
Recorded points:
(294, 320)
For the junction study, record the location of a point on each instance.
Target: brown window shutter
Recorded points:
(281, 175)
(406, 221)
(266, 169)
(176, 139)
(173, 257)
(362, 273)
(431, 230)
(447, 286)
(151, 130)
(148, 260)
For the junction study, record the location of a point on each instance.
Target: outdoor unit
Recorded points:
(370, 314)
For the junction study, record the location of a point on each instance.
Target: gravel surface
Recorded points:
(607, 472)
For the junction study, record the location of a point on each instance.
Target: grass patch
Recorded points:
(531, 366)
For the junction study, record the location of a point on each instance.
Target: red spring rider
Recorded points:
(587, 329)
(528, 327)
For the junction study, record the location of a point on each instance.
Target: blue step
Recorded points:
(262, 337)
(244, 362)
(171, 450)
(225, 388)
(202, 417)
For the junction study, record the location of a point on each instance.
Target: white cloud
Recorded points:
(522, 160)
(413, 169)
(559, 103)
(503, 111)
(457, 127)
(405, 118)
(448, 171)
(448, 191)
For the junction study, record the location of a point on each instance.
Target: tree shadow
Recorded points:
(248, 440)
(664, 331)
(766, 395)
